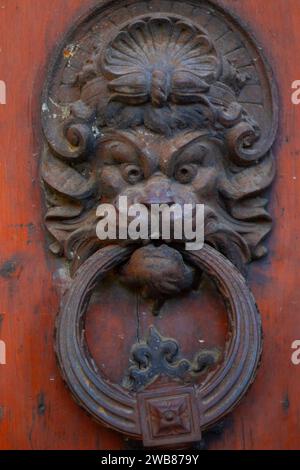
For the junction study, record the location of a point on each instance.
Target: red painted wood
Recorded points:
(36, 410)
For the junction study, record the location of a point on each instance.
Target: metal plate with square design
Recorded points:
(169, 418)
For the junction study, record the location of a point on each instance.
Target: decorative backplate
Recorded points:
(162, 102)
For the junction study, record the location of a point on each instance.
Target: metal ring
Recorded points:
(115, 406)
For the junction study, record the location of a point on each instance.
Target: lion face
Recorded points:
(188, 168)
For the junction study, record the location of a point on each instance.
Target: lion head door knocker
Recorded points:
(163, 102)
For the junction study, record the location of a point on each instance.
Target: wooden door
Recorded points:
(36, 408)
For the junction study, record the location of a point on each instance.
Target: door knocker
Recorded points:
(165, 102)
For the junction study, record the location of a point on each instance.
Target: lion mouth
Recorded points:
(160, 272)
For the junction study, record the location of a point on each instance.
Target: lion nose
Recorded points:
(158, 191)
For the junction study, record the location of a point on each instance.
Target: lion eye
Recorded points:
(133, 174)
(186, 173)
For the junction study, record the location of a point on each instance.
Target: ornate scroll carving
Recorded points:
(162, 102)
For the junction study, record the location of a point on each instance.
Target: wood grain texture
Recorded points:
(36, 411)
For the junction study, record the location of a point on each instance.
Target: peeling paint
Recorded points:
(64, 110)
(70, 51)
(45, 107)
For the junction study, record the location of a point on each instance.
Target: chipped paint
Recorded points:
(64, 110)
(96, 131)
(70, 51)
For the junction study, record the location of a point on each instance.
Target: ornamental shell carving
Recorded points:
(161, 59)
